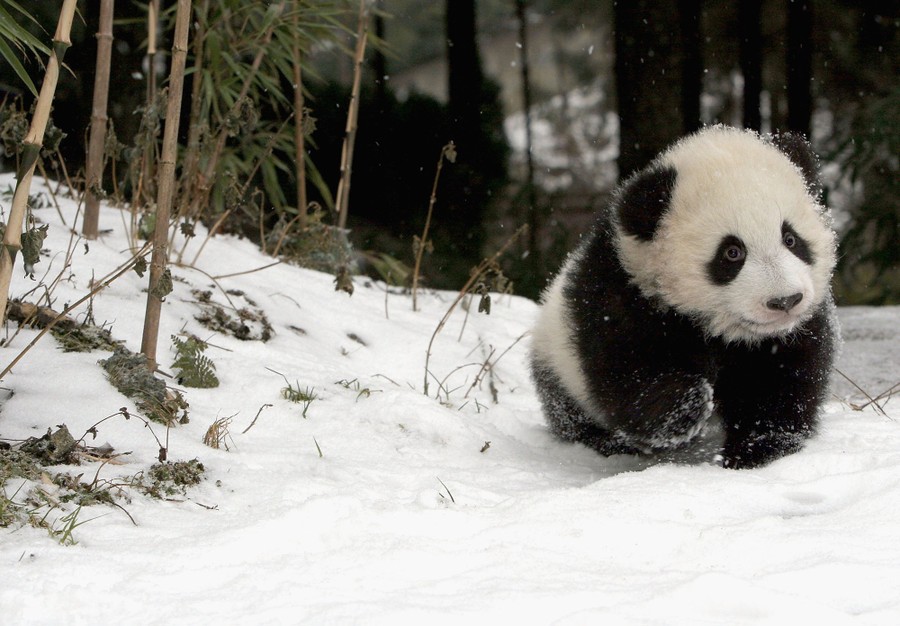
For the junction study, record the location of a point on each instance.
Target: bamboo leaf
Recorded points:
(7, 53)
(13, 30)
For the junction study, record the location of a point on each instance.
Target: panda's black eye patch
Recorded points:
(727, 261)
(796, 244)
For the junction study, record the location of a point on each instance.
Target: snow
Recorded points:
(536, 531)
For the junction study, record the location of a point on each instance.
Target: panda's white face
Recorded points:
(743, 247)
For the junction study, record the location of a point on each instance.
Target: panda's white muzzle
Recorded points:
(773, 294)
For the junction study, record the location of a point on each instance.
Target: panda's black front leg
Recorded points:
(656, 411)
(655, 381)
(769, 396)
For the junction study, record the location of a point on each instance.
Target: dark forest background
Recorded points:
(607, 85)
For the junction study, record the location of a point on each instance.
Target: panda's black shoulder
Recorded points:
(598, 276)
(607, 307)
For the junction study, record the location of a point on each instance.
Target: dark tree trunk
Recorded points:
(379, 61)
(799, 66)
(750, 29)
(692, 64)
(529, 196)
(464, 76)
(652, 56)
(475, 125)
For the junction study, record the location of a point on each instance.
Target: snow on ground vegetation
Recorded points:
(370, 502)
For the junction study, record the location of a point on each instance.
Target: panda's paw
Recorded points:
(758, 449)
(675, 411)
(688, 419)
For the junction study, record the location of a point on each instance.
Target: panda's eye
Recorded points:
(789, 239)
(733, 253)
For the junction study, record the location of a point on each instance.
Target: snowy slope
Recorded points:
(536, 531)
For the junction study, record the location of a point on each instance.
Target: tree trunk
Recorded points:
(99, 120)
(691, 64)
(799, 66)
(166, 191)
(649, 68)
(530, 196)
(12, 237)
(379, 60)
(475, 126)
(750, 25)
(464, 75)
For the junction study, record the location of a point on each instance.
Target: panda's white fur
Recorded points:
(724, 177)
(553, 336)
(636, 344)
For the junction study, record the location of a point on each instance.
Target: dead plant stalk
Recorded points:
(103, 284)
(476, 275)
(12, 238)
(488, 365)
(448, 152)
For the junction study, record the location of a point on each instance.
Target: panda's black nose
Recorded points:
(786, 303)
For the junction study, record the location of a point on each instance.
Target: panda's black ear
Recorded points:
(643, 200)
(800, 153)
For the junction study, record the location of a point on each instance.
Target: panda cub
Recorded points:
(702, 290)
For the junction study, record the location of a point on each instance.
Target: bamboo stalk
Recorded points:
(299, 121)
(147, 158)
(191, 165)
(189, 183)
(342, 201)
(99, 120)
(12, 238)
(152, 24)
(166, 188)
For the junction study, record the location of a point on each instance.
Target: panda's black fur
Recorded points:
(625, 363)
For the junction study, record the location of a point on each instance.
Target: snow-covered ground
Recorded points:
(408, 516)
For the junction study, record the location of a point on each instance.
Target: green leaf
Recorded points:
(195, 369)
(21, 10)
(10, 57)
(13, 33)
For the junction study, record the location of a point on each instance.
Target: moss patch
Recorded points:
(84, 338)
(173, 478)
(128, 373)
(247, 323)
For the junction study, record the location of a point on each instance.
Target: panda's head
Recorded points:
(725, 227)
